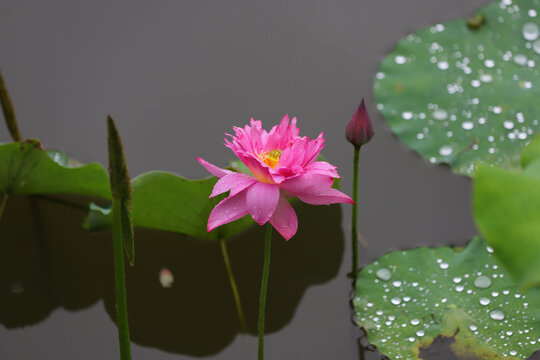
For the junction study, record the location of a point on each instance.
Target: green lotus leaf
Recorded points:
(507, 212)
(406, 299)
(165, 201)
(466, 92)
(26, 168)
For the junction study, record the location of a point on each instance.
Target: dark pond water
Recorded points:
(176, 75)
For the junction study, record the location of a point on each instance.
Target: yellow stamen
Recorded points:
(270, 158)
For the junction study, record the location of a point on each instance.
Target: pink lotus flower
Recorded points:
(283, 165)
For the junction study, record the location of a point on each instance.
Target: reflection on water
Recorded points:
(47, 261)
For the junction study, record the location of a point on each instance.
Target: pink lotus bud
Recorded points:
(359, 130)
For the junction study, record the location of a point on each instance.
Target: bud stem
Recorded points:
(354, 235)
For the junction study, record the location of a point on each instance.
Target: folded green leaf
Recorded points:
(120, 188)
(26, 168)
(165, 201)
(406, 299)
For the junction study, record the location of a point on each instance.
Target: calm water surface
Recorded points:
(176, 75)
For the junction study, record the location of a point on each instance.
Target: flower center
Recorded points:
(270, 158)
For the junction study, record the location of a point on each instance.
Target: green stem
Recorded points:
(3, 204)
(239, 310)
(120, 281)
(264, 287)
(355, 213)
(9, 112)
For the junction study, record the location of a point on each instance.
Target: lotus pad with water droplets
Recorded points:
(466, 96)
(406, 299)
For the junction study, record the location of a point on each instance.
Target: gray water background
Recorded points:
(177, 75)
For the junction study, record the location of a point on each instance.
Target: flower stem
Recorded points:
(9, 112)
(239, 310)
(120, 282)
(3, 204)
(355, 213)
(264, 287)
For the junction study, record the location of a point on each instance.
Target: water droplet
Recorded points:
(440, 114)
(486, 78)
(460, 288)
(443, 265)
(475, 83)
(443, 65)
(481, 121)
(473, 327)
(497, 109)
(508, 124)
(397, 283)
(420, 333)
(509, 333)
(530, 31)
(395, 301)
(384, 274)
(407, 115)
(411, 339)
(520, 59)
(400, 59)
(489, 63)
(445, 150)
(513, 352)
(482, 282)
(532, 13)
(536, 46)
(489, 249)
(456, 280)
(496, 315)
(467, 125)
(484, 301)
(495, 293)
(415, 322)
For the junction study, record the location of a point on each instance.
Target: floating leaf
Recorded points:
(463, 95)
(408, 298)
(165, 201)
(25, 168)
(507, 213)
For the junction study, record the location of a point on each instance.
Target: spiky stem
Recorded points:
(120, 282)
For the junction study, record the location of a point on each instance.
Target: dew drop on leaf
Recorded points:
(496, 315)
(384, 274)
